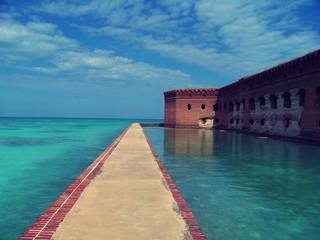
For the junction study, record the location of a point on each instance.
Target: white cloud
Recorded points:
(25, 42)
(42, 48)
(103, 65)
(232, 38)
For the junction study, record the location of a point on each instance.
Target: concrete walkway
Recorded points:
(127, 200)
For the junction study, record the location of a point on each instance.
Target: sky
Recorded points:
(115, 58)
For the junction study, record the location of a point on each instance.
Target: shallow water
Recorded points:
(39, 158)
(243, 187)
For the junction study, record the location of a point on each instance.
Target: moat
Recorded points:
(244, 187)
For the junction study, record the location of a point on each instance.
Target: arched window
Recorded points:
(203, 106)
(231, 107)
(318, 96)
(286, 100)
(189, 107)
(273, 101)
(302, 96)
(215, 107)
(252, 105)
(262, 101)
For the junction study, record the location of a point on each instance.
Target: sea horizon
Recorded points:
(86, 118)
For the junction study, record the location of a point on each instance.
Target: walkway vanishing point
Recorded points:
(126, 193)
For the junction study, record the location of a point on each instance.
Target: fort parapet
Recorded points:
(283, 100)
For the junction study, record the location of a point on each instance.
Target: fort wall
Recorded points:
(283, 100)
(186, 107)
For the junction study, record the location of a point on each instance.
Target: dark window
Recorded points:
(243, 104)
(215, 107)
(302, 96)
(252, 105)
(262, 122)
(273, 101)
(203, 95)
(231, 107)
(262, 101)
(237, 121)
(318, 96)
(287, 122)
(203, 106)
(231, 120)
(224, 106)
(251, 121)
(216, 120)
(238, 106)
(190, 95)
(286, 100)
(189, 107)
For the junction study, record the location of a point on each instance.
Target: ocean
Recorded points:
(39, 158)
(238, 186)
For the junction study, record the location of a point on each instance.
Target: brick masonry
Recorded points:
(184, 107)
(282, 101)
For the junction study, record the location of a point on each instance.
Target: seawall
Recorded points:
(126, 193)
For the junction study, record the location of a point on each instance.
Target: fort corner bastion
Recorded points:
(283, 101)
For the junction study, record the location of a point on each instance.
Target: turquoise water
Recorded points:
(244, 187)
(39, 158)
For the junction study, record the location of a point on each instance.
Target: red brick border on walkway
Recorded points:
(49, 221)
(194, 227)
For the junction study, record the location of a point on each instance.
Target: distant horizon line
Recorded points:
(93, 118)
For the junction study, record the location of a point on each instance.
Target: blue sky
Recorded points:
(115, 58)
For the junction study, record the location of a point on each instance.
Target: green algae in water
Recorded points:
(242, 187)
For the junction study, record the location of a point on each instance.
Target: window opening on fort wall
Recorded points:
(302, 95)
(318, 96)
(203, 106)
(286, 100)
(189, 107)
(273, 101)
(252, 104)
(231, 107)
(262, 101)
(238, 106)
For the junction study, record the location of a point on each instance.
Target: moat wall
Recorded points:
(283, 100)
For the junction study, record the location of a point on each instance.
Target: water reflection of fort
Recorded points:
(188, 142)
(290, 171)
